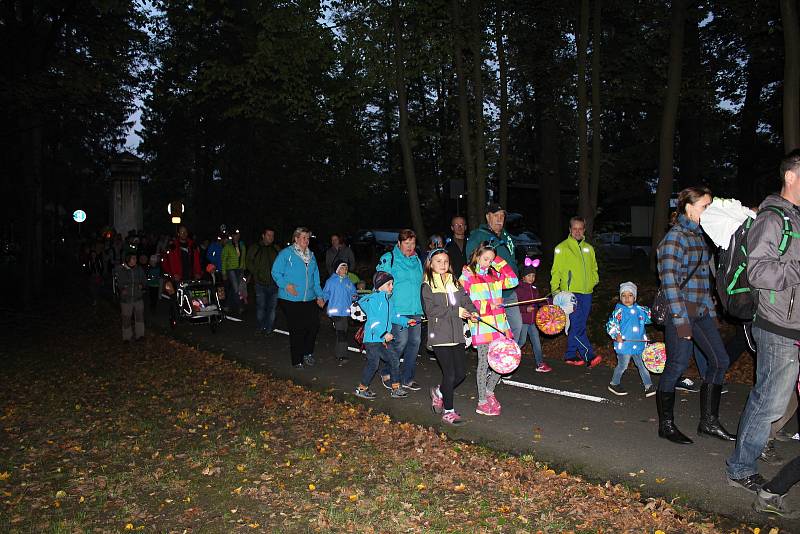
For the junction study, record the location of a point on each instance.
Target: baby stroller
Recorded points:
(196, 301)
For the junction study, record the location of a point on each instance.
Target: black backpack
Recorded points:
(733, 286)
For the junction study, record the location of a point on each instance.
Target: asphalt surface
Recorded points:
(606, 438)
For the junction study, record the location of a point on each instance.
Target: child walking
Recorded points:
(340, 292)
(527, 291)
(446, 307)
(484, 278)
(378, 336)
(627, 322)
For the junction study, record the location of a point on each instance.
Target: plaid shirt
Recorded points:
(679, 252)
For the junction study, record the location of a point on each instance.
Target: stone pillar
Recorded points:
(126, 193)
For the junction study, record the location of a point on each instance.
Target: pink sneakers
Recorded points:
(452, 418)
(492, 400)
(437, 403)
(543, 368)
(484, 408)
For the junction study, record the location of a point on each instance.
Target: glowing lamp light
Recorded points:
(176, 220)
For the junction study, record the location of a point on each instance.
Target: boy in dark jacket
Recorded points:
(131, 281)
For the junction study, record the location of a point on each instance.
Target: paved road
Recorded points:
(613, 439)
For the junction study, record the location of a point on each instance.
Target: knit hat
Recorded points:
(628, 286)
(380, 279)
(340, 264)
(526, 270)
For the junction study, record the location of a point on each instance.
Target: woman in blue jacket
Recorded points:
(299, 295)
(405, 266)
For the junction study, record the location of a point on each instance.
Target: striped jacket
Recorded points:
(486, 292)
(679, 252)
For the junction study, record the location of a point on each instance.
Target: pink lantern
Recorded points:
(504, 355)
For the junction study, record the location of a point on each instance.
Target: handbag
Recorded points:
(660, 309)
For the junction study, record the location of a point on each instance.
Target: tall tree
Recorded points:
(584, 190)
(473, 206)
(791, 75)
(597, 149)
(668, 118)
(476, 44)
(405, 136)
(502, 67)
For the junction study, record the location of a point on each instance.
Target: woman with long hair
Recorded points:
(684, 267)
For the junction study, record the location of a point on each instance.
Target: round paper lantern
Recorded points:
(504, 355)
(551, 320)
(654, 357)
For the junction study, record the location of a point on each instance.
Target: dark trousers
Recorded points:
(787, 477)
(451, 360)
(303, 324)
(340, 326)
(680, 350)
(153, 294)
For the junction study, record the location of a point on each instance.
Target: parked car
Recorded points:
(528, 244)
(617, 246)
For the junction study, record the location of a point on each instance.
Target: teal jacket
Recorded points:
(574, 267)
(503, 245)
(407, 273)
(379, 307)
(289, 268)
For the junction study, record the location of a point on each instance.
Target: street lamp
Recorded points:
(175, 209)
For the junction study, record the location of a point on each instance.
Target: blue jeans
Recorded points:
(406, 345)
(514, 317)
(530, 331)
(679, 350)
(266, 303)
(622, 365)
(776, 377)
(577, 339)
(234, 276)
(375, 353)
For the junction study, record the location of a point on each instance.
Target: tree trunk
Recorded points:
(747, 188)
(405, 140)
(550, 216)
(690, 125)
(667, 139)
(473, 208)
(597, 150)
(477, 89)
(33, 253)
(502, 164)
(584, 196)
(791, 75)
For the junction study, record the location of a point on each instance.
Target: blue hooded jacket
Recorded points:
(629, 321)
(289, 268)
(214, 255)
(380, 312)
(407, 274)
(339, 292)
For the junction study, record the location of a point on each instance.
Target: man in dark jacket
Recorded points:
(495, 234)
(457, 245)
(130, 284)
(260, 259)
(774, 272)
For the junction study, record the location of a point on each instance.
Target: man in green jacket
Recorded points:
(234, 262)
(575, 270)
(260, 259)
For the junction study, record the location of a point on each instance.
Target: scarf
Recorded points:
(304, 255)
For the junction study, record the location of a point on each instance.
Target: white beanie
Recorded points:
(627, 286)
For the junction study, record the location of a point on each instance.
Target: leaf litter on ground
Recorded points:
(158, 436)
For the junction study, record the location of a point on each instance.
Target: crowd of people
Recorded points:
(475, 279)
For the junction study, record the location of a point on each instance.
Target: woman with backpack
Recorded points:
(684, 267)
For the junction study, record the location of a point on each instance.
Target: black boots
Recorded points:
(666, 420)
(709, 413)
